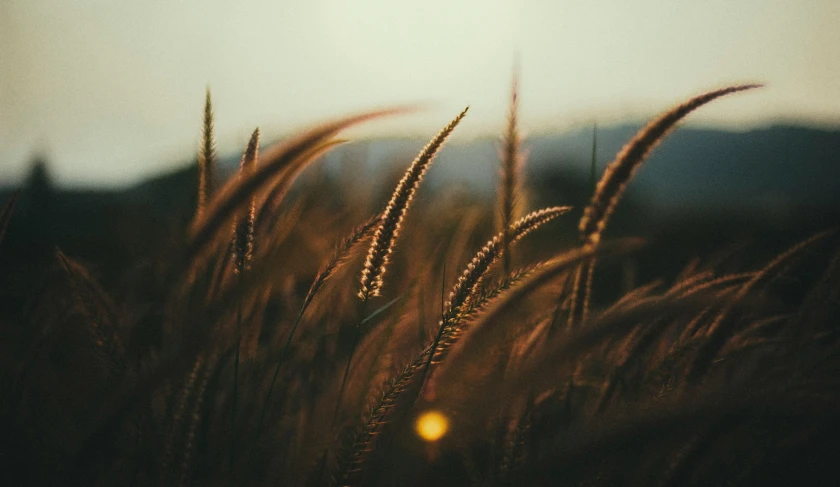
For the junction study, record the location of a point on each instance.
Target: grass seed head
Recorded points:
(630, 158)
(389, 227)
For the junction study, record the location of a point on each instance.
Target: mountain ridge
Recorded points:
(775, 168)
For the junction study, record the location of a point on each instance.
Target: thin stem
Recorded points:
(236, 372)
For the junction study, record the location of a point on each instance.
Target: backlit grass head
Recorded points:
(389, 227)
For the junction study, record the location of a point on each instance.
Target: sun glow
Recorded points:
(432, 425)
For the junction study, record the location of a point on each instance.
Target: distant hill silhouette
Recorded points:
(776, 168)
(777, 171)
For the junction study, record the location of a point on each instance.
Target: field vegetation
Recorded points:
(285, 334)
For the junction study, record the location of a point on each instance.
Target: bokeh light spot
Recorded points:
(432, 425)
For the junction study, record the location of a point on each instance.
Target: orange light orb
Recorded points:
(432, 425)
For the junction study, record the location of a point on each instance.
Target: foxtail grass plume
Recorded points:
(451, 331)
(339, 257)
(389, 226)
(461, 302)
(477, 269)
(297, 151)
(629, 159)
(509, 190)
(615, 179)
(243, 225)
(206, 157)
(486, 328)
(361, 448)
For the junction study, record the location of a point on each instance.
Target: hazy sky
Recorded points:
(112, 91)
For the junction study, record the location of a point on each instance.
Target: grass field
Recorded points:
(282, 334)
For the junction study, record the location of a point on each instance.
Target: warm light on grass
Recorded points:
(432, 425)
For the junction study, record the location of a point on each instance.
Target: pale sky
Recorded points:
(112, 91)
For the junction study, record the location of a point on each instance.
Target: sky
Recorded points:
(112, 92)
